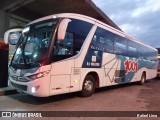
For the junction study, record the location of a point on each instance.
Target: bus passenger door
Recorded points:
(62, 65)
(70, 38)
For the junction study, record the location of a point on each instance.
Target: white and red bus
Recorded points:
(68, 52)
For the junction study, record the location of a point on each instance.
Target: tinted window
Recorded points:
(152, 55)
(147, 53)
(103, 40)
(77, 31)
(142, 52)
(80, 31)
(120, 45)
(133, 49)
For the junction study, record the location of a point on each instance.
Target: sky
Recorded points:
(138, 18)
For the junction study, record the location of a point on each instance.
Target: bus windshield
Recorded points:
(33, 43)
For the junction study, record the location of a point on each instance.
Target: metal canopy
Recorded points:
(33, 9)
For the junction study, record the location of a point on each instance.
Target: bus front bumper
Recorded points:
(37, 88)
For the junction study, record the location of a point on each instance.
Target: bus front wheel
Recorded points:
(88, 87)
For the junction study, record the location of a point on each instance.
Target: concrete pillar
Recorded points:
(4, 22)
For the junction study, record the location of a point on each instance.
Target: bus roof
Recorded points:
(93, 21)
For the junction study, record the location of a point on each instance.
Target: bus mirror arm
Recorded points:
(62, 29)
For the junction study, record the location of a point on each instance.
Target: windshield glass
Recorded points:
(33, 43)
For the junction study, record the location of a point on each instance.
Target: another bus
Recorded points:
(158, 70)
(11, 37)
(67, 52)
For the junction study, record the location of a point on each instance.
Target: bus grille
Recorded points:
(21, 87)
(76, 71)
(20, 79)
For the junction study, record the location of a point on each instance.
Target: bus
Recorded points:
(68, 52)
(158, 70)
(11, 37)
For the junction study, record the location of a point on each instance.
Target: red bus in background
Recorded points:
(3, 46)
(7, 48)
(158, 70)
(3, 64)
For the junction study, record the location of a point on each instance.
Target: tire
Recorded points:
(143, 79)
(88, 87)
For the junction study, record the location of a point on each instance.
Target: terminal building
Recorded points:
(17, 13)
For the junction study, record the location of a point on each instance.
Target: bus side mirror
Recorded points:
(62, 29)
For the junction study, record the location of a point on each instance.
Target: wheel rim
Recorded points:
(88, 86)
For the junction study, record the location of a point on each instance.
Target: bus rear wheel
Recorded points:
(88, 87)
(143, 79)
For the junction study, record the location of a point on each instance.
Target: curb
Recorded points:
(7, 91)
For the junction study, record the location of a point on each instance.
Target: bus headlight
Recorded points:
(39, 75)
(34, 89)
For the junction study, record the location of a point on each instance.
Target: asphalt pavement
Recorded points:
(126, 98)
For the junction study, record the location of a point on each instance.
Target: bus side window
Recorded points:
(103, 39)
(120, 45)
(133, 49)
(75, 35)
(80, 30)
(143, 52)
(65, 47)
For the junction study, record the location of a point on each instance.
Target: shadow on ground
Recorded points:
(40, 101)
